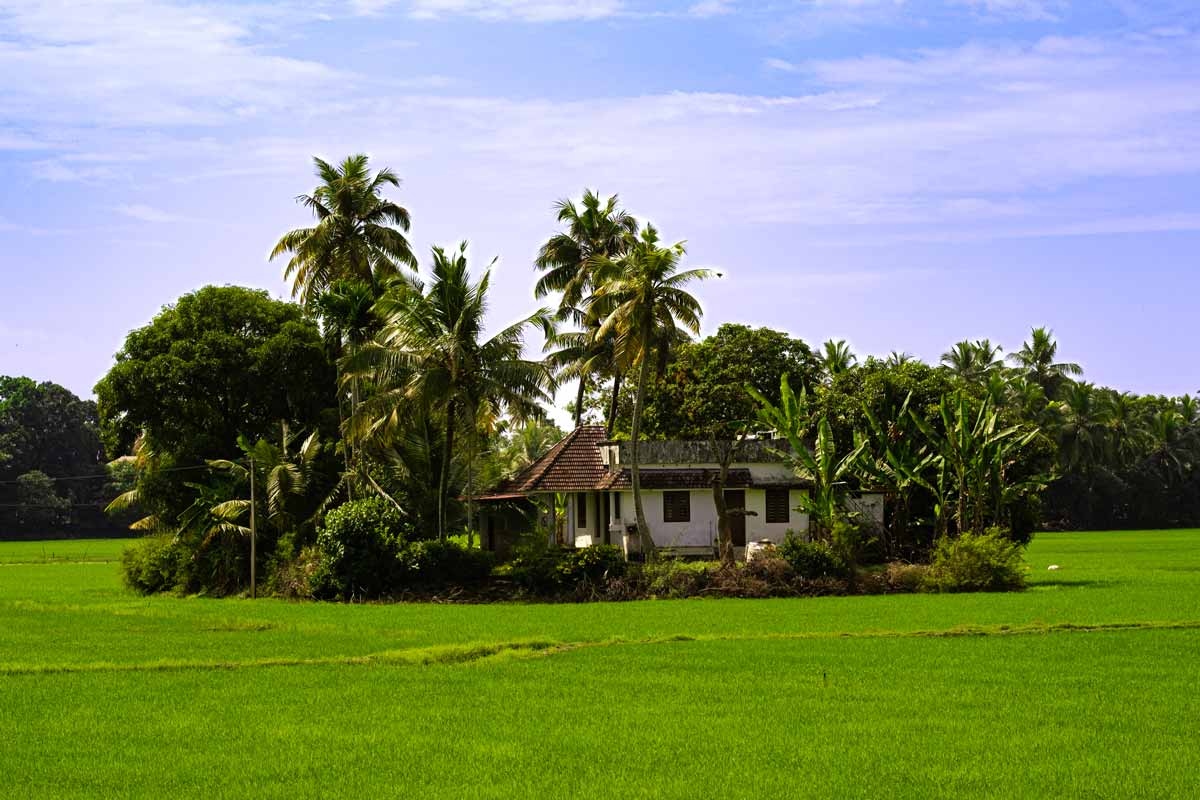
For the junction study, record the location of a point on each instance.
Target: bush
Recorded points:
(671, 577)
(812, 560)
(592, 564)
(438, 564)
(903, 577)
(295, 577)
(534, 565)
(987, 562)
(155, 564)
(358, 544)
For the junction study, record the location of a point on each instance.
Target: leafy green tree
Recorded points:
(642, 299)
(359, 234)
(431, 353)
(702, 391)
(46, 430)
(41, 508)
(45, 427)
(220, 364)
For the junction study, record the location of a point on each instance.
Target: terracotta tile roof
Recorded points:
(572, 465)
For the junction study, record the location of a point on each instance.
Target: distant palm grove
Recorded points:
(381, 395)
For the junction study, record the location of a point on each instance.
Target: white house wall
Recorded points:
(701, 530)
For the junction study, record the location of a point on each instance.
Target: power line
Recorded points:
(108, 475)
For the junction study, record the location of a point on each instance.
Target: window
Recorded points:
(677, 507)
(778, 505)
(616, 504)
(581, 510)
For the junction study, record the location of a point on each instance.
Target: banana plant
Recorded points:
(897, 459)
(973, 450)
(821, 466)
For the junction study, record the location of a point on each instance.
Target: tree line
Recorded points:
(380, 380)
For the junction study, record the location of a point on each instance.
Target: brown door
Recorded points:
(735, 501)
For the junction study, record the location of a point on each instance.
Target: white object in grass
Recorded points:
(1052, 566)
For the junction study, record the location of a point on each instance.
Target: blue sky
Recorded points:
(899, 173)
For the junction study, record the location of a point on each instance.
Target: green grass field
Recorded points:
(1083, 686)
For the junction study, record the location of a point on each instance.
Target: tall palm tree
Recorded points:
(596, 229)
(837, 357)
(346, 311)
(1084, 430)
(431, 353)
(359, 234)
(643, 304)
(1036, 359)
(973, 362)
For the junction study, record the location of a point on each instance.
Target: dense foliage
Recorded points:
(48, 434)
(970, 562)
(368, 417)
(220, 365)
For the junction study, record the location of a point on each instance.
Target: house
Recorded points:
(677, 478)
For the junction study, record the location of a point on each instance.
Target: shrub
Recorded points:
(903, 577)
(812, 560)
(987, 562)
(295, 577)
(357, 545)
(671, 577)
(155, 564)
(851, 542)
(534, 565)
(438, 564)
(592, 564)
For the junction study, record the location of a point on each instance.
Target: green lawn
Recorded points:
(1085, 685)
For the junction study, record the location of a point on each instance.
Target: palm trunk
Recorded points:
(579, 400)
(355, 451)
(634, 470)
(444, 479)
(612, 406)
(471, 492)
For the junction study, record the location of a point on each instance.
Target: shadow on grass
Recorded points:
(1074, 583)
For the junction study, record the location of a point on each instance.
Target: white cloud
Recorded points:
(711, 8)
(526, 10)
(780, 65)
(1036, 10)
(146, 62)
(145, 213)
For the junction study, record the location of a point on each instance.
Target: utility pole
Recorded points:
(253, 538)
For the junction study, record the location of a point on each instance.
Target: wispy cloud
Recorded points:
(145, 213)
(780, 65)
(146, 62)
(527, 10)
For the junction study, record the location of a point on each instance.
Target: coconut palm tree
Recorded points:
(837, 357)
(1083, 435)
(1036, 360)
(596, 229)
(430, 353)
(347, 316)
(643, 305)
(359, 234)
(973, 362)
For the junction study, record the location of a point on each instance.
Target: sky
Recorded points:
(901, 174)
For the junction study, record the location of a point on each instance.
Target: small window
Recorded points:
(677, 506)
(778, 506)
(581, 510)
(616, 504)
